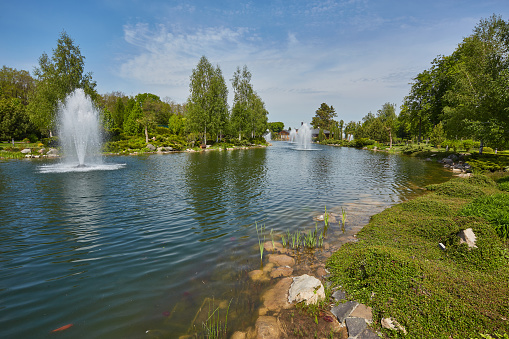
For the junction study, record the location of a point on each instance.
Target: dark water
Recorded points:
(135, 252)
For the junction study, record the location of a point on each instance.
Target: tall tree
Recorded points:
(57, 77)
(324, 117)
(242, 101)
(388, 119)
(207, 107)
(479, 100)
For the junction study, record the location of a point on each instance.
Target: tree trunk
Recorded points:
(146, 134)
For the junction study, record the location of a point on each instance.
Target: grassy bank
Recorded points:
(398, 268)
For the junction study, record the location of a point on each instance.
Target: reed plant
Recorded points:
(326, 219)
(343, 219)
(213, 326)
(259, 233)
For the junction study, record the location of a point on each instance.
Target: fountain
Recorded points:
(267, 137)
(79, 136)
(303, 137)
(79, 129)
(293, 136)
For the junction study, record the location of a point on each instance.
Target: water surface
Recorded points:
(137, 251)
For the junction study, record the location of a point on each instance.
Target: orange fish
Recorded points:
(62, 328)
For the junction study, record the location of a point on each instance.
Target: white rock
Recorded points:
(306, 288)
(26, 151)
(392, 324)
(467, 236)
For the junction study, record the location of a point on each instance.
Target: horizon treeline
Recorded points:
(464, 95)
(29, 104)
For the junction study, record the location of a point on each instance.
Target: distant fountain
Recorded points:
(303, 138)
(293, 136)
(267, 136)
(79, 136)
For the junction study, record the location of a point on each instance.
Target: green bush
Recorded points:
(467, 145)
(493, 208)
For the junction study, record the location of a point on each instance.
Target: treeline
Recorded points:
(29, 104)
(463, 96)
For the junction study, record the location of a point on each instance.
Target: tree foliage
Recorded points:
(324, 117)
(56, 77)
(208, 100)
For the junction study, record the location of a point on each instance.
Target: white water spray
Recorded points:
(79, 136)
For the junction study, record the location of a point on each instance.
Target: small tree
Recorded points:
(437, 134)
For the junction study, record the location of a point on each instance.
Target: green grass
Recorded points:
(399, 270)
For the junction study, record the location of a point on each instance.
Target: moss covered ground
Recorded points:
(398, 268)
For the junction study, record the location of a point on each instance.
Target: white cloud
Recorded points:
(292, 76)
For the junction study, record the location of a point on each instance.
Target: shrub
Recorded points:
(467, 145)
(493, 208)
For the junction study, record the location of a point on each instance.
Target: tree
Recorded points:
(56, 78)
(276, 127)
(478, 101)
(208, 100)
(16, 84)
(341, 124)
(437, 135)
(176, 124)
(150, 104)
(388, 119)
(324, 117)
(242, 100)
(132, 124)
(14, 122)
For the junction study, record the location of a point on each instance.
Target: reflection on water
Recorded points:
(141, 248)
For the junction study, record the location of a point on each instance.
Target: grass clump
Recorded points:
(493, 208)
(399, 270)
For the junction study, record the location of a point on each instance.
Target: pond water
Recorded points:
(138, 251)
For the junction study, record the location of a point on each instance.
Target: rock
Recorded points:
(258, 275)
(392, 324)
(457, 170)
(26, 151)
(355, 326)
(364, 312)
(467, 237)
(368, 334)
(281, 260)
(268, 246)
(268, 268)
(447, 161)
(52, 152)
(339, 295)
(306, 288)
(239, 335)
(267, 328)
(276, 298)
(321, 271)
(342, 311)
(41, 151)
(283, 271)
(151, 147)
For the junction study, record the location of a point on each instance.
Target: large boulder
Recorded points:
(306, 288)
(151, 147)
(276, 298)
(281, 260)
(26, 151)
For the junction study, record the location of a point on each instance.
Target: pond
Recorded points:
(141, 249)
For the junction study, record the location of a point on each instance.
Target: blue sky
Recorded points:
(355, 55)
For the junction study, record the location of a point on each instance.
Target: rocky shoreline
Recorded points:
(296, 283)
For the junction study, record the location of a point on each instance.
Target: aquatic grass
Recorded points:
(326, 218)
(259, 233)
(213, 326)
(343, 219)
